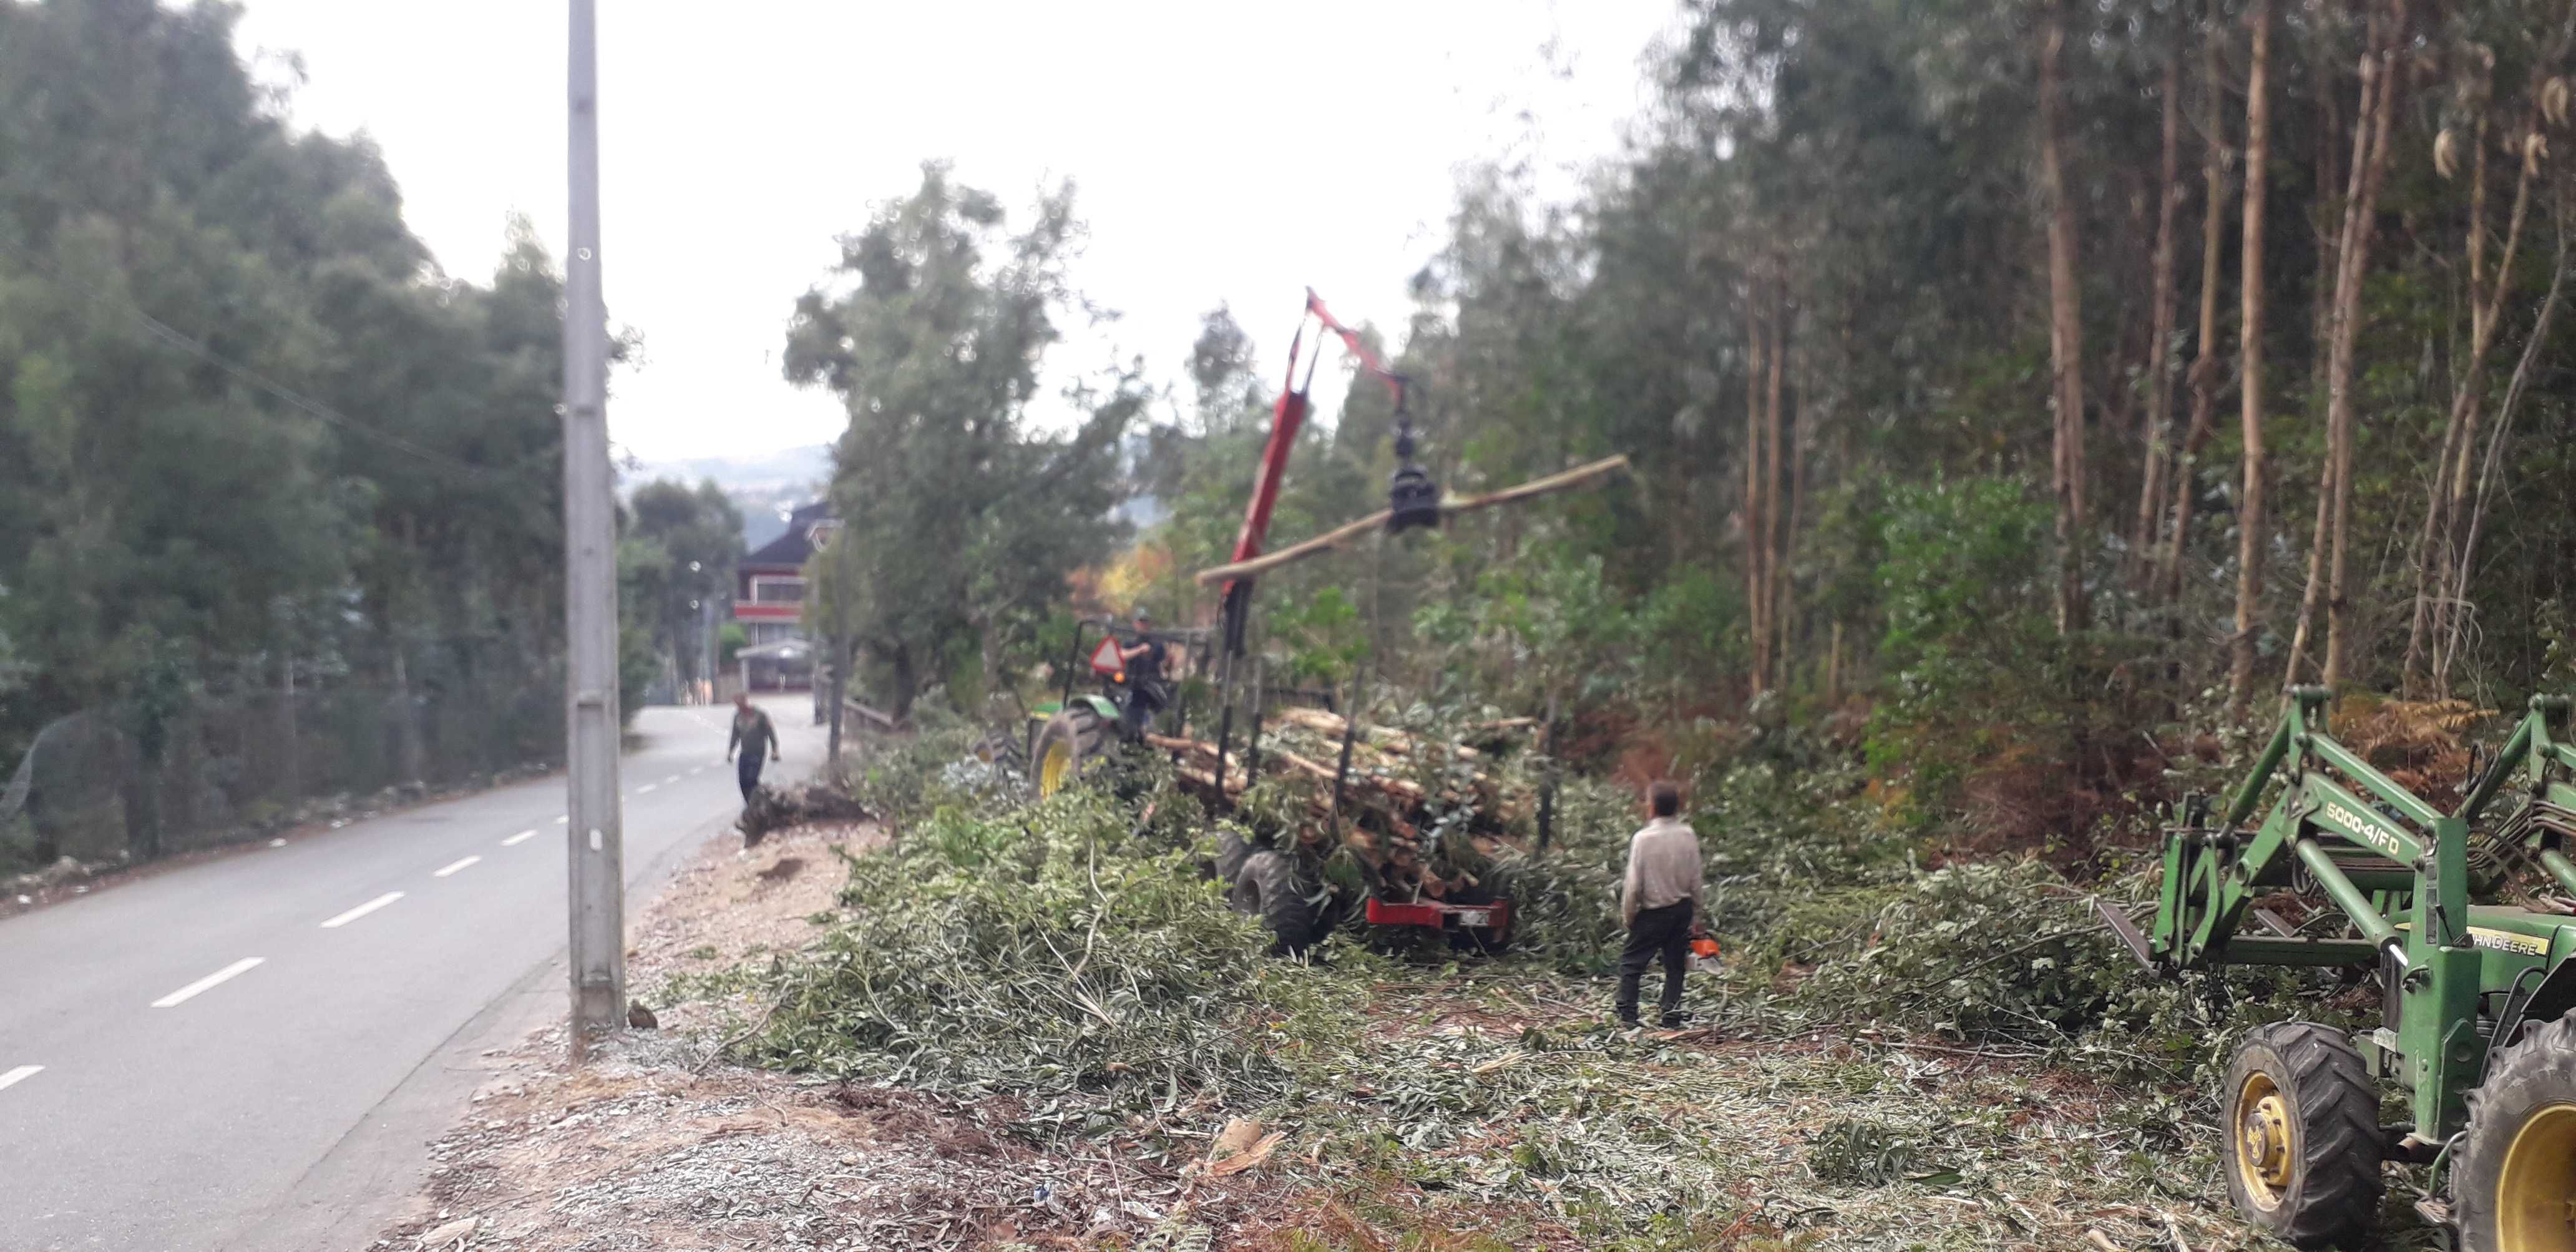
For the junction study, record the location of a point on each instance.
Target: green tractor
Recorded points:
(1083, 728)
(2478, 1024)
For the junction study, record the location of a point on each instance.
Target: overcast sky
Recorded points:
(1222, 151)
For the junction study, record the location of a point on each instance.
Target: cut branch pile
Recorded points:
(775, 808)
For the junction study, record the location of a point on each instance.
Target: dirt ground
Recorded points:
(656, 1146)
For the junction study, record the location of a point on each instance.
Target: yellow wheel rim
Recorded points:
(2536, 1193)
(2265, 1156)
(1056, 769)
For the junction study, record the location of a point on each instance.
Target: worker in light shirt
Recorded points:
(1659, 902)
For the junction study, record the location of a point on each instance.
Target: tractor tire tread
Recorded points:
(1232, 850)
(1270, 889)
(1082, 726)
(2340, 1178)
(2536, 1071)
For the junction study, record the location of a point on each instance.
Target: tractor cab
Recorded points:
(1080, 727)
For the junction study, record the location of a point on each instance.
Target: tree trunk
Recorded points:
(1756, 570)
(2249, 543)
(2361, 223)
(1834, 668)
(1796, 438)
(2432, 544)
(2065, 332)
(2447, 650)
(292, 736)
(2158, 423)
(2351, 265)
(1774, 631)
(2447, 513)
(2317, 540)
(907, 682)
(2204, 367)
(407, 745)
(840, 692)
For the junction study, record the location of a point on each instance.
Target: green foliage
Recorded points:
(1549, 625)
(959, 523)
(1981, 951)
(1325, 643)
(242, 418)
(1050, 951)
(1691, 626)
(1969, 648)
(1864, 1153)
(683, 544)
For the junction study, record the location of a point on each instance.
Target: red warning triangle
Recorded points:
(1106, 659)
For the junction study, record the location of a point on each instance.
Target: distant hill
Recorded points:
(765, 487)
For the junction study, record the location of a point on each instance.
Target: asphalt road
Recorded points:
(250, 1054)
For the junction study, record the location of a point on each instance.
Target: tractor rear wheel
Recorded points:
(2301, 1149)
(1271, 889)
(1071, 740)
(1231, 852)
(2516, 1179)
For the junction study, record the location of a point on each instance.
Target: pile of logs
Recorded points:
(1401, 778)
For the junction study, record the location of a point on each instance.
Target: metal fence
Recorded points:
(104, 786)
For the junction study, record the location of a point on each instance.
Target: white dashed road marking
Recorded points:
(21, 1074)
(450, 869)
(672, 779)
(219, 977)
(362, 910)
(562, 818)
(648, 789)
(519, 838)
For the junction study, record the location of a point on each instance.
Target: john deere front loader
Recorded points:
(2458, 915)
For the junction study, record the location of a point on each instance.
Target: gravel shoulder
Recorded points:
(655, 1146)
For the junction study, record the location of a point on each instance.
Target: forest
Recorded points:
(2274, 288)
(2031, 390)
(280, 500)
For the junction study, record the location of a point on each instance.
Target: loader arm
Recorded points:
(2398, 870)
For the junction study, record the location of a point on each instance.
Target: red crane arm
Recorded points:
(1289, 416)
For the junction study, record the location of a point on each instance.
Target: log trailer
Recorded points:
(2478, 1019)
(1285, 886)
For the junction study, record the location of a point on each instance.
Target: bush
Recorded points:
(1970, 649)
(1980, 951)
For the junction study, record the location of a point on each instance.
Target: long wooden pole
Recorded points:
(1581, 475)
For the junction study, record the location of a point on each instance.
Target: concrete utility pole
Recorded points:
(595, 839)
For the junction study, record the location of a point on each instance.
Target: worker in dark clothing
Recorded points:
(754, 738)
(1146, 692)
(1659, 900)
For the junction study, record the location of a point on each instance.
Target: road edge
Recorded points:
(380, 1162)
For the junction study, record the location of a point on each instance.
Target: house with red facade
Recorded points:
(769, 602)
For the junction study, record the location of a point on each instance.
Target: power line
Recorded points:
(176, 338)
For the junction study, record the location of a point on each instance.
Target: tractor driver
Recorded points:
(1146, 694)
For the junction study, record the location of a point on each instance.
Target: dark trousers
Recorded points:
(1145, 698)
(1660, 931)
(747, 772)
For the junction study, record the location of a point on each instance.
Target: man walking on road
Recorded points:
(1659, 900)
(755, 738)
